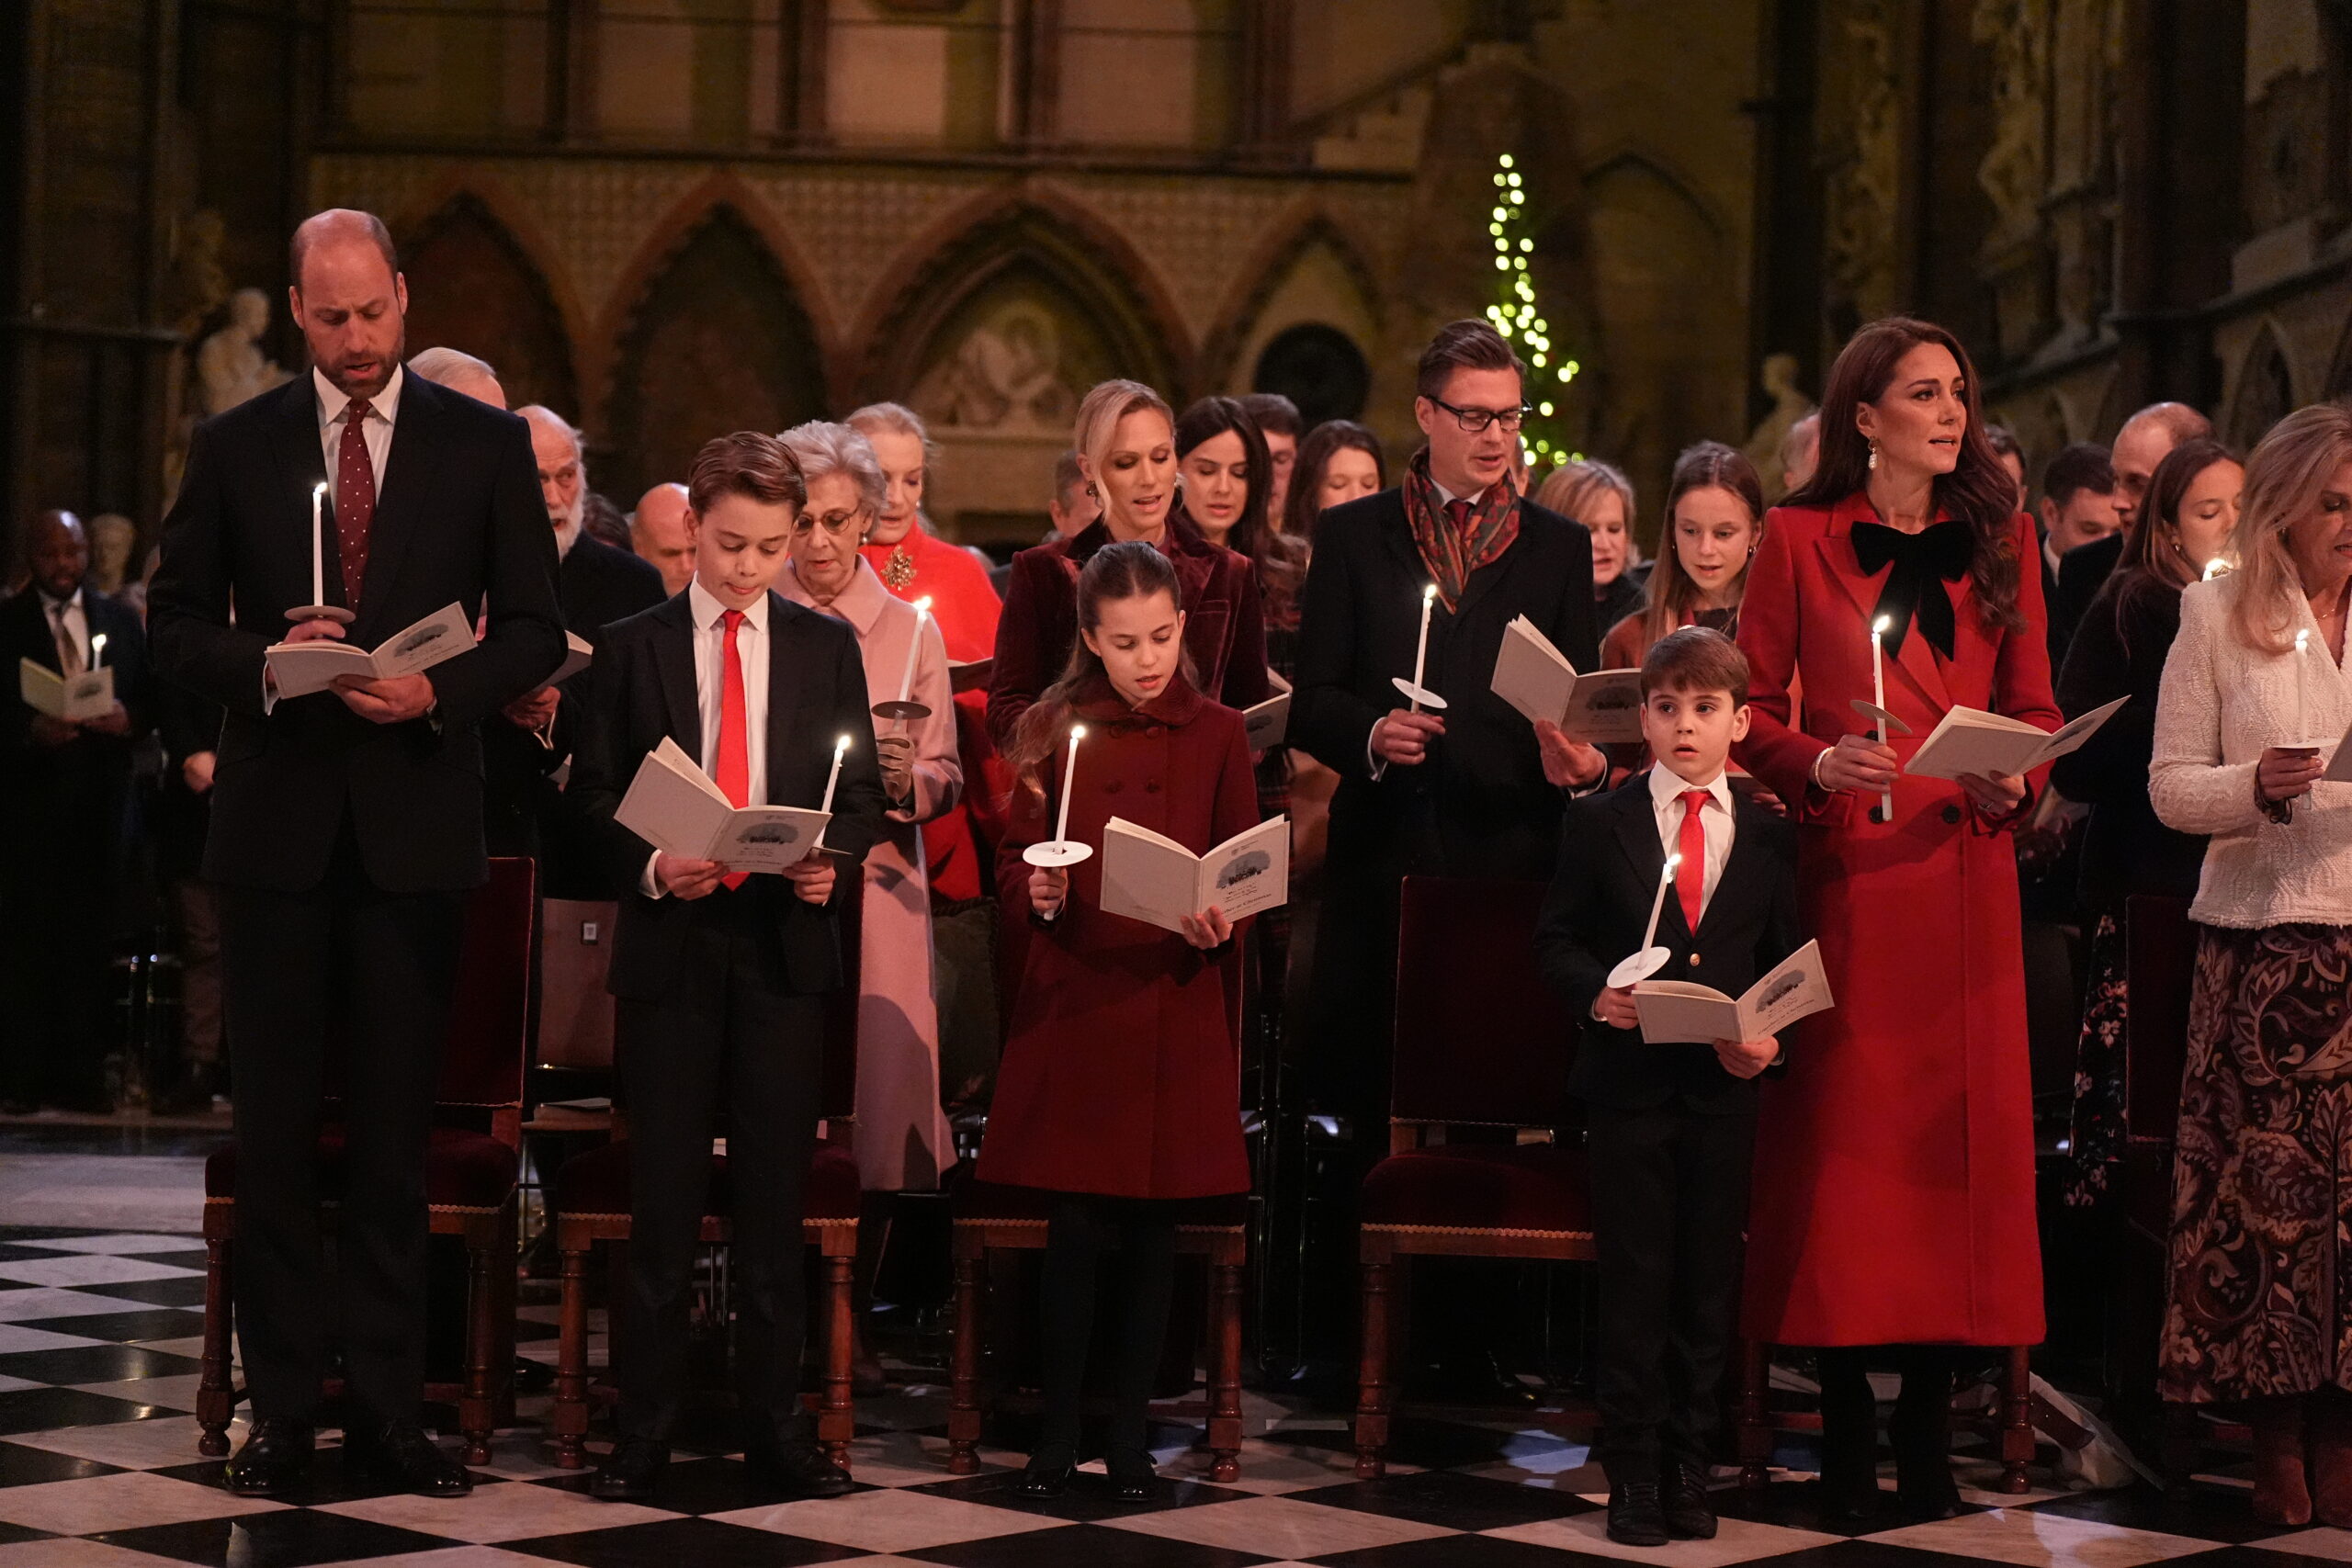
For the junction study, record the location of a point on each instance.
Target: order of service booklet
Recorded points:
(1678, 1012)
(1155, 879)
(1537, 679)
(87, 696)
(1970, 740)
(1266, 723)
(672, 804)
(302, 667)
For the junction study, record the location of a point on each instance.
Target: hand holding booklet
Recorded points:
(1537, 679)
(1149, 877)
(1678, 1012)
(302, 667)
(672, 804)
(1970, 740)
(87, 697)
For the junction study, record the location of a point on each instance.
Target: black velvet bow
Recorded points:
(1940, 551)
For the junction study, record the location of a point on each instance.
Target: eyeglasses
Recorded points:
(1476, 421)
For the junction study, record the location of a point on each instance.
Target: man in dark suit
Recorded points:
(722, 976)
(2144, 442)
(1671, 1126)
(2080, 507)
(65, 826)
(347, 824)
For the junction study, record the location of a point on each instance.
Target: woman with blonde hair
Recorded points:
(1600, 496)
(1125, 440)
(2259, 1305)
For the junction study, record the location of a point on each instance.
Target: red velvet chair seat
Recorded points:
(1482, 1187)
(990, 1203)
(462, 1170)
(597, 1183)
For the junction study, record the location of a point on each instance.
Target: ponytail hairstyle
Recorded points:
(1709, 465)
(1125, 569)
(1978, 491)
(1098, 421)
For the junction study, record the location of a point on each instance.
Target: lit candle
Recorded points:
(2303, 698)
(1421, 651)
(841, 748)
(914, 647)
(1658, 905)
(2214, 568)
(318, 546)
(98, 650)
(1069, 775)
(1878, 629)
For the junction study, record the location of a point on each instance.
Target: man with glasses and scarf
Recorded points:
(1473, 790)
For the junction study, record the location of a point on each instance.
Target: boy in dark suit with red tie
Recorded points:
(721, 976)
(1671, 1126)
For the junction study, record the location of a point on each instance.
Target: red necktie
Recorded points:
(1457, 513)
(734, 777)
(1690, 876)
(354, 500)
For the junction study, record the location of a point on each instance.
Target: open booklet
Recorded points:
(1970, 740)
(87, 697)
(1267, 722)
(1152, 878)
(577, 656)
(1678, 1012)
(1537, 679)
(672, 804)
(302, 667)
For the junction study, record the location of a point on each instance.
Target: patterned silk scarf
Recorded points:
(1451, 554)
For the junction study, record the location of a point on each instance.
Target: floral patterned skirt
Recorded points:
(2259, 1298)
(2095, 1139)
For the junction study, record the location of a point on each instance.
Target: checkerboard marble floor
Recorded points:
(98, 1469)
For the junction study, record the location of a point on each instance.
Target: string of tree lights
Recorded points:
(1516, 316)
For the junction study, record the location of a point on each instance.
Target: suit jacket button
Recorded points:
(1694, 961)
(1951, 814)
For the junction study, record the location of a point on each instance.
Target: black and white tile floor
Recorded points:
(98, 1469)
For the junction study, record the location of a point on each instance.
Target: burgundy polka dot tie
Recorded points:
(355, 500)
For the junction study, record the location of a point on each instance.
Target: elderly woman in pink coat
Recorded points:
(902, 1140)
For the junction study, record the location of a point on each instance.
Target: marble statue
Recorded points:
(230, 365)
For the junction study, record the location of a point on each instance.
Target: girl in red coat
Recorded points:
(1120, 1089)
(1894, 1193)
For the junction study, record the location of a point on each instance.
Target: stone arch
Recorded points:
(2263, 392)
(716, 339)
(473, 285)
(1342, 291)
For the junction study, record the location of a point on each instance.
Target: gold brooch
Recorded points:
(899, 569)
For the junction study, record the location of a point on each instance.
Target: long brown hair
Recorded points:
(1303, 504)
(1277, 564)
(2284, 476)
(1978, 491)
(1124, 568)
(1709, 465)
(2150, 561)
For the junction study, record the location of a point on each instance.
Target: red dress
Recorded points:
(1893, 1198)
(1122, 1071)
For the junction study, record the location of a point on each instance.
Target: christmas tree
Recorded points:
(1517, 317)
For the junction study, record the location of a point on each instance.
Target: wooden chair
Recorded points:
(470, 1174)
(988, 1217)
(1480, 1042)
(591, 1204)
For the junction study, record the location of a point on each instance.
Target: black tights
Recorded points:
(1080, 1230)
(1849, 1413)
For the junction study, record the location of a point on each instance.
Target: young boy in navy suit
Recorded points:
(721, 976)
(1671, 1126)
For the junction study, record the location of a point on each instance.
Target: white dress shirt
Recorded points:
(710, 691)
(1716, 821)
(382, 410)
(77, 626)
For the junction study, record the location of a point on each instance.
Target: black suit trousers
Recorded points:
(345, 971)
(728, 1033)
(1669, 1204)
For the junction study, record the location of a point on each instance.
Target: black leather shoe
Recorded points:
(795, 1466)
(630, 1472)
(1047, 1476)
(1135, 1479)
(1689, 1515)
(274, 1460)
(1637, 1514)
(401, 1451)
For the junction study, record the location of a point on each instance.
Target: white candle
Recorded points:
(1878, 700)
(2214, 568)
(914, 647)
(2303, 698)
(318, 547)
(1069, 775)
(98, 650)
(1421, 651)
(1658, 905)
(840, 748)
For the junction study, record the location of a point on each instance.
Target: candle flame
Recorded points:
(2214, 568)
(840, 746)
(1672, 861)
(1882, 626)
(1076, 732)
(98, 645)
(922, 605)
(319, 490)
(2302, 639)
(1429, 594)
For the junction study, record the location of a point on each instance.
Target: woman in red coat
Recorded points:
(1893, 1192)
(1120, 1090)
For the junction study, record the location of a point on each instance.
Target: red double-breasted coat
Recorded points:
(1894, 1196)
(1121, 1070)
